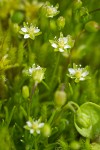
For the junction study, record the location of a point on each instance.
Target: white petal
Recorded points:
(36, 30)
(31, 131)
(24, 29)
(29, 124)
(82, 79)
(26, 36)
(65, 40)
(31, 70)
(41, 125)
(67, 46)
(61, 50)
(71, 71)
(54, 45)
(85, 73)
(38, 131)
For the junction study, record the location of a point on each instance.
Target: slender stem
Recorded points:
(92, 11)
(72, 106)
(52, 117)
(98, 9)
(36, 145)
(33, 90)
(55, 69)
(46, 85)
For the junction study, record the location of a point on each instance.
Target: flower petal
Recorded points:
(61, 50)
(36, 30)
(71, 71)
(24, 29)
(82, 79)
(30, 70)
(65, 40)
(54, 45)
(31, 131)
(26, 36)
(29, 124)
(38, 131)
(84, 74)
(67, 46)
(41, 125)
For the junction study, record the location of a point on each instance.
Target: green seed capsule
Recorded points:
(25, 91)
(83, 120)
(17, 17)
(92, 26)
(75, 145)
(60, 98)
(46, 130)
(77, 4)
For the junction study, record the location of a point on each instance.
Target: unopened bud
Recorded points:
(92, 26)
(38, 74)
(83, 120)
(46, 130)
(60, 98)
(77, 4)
(61, 22)
(25, 91)
(17, 17)
(75, 145)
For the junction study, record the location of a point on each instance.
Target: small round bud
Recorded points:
(60, 98)
(75, 145)
(17, 17)
(92, 26)
(61, 22)
(46, 130)
(25, 91)
(77, 4)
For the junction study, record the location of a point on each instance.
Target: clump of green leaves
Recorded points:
(55, 104)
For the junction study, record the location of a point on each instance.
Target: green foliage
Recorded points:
(45, 84)
(87, 120)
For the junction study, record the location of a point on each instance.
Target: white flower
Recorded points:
(30, 31)
(50, 10)
(37, 73)
(62, 43)
(78, 73)
(34, 126)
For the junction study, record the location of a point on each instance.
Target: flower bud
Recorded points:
(38, 74)
(25, 91)
(60, 98)
(92, 26)
(46, 130)
(83, 120)
(74, 145)
(77, 4)
(95, 146)
(17, 17)
(61, 22)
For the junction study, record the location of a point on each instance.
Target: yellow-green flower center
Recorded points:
(61, 43)
(35, 126)
(78, 74)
